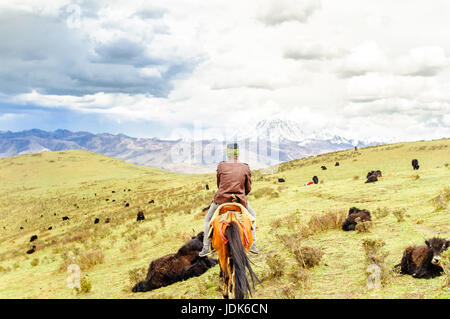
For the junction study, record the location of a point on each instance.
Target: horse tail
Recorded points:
(241, 262)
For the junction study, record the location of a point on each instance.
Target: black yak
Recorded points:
(107, 220)
(372, 176)
(152, 201)
(415, 164)
(207, 187)
(423, 261)
(353, 214)
(315, 180)
(32, 250)
(50, 228)
(127, 205)
(376, 173)
(65, 218)
(281, 180)
(337, 164)
(171, 268)
(97, 220)
(140, 216)
(33, 238)
(323, 167)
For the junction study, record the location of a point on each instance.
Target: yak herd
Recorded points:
(419, 261)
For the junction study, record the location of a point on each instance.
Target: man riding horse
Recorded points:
(234, 184)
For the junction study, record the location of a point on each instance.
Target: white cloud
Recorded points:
(337, 64)
(274, 12)
(425, 61)
(366, 57)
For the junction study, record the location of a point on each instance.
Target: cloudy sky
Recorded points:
(145, 68)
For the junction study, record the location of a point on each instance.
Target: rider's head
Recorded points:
(233, 151)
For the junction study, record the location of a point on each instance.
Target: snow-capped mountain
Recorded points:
(267, 143)
(288, 130)
(274, 130)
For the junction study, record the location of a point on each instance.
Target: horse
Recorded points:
(232, 239)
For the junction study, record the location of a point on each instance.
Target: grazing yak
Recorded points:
(323, 167)
(140, 216)
(415, 164)
(152, 201)
(207, 187)
(353, 214)
(337, 164)
(127, 205)
(33, 238)
(50, 228)
(315, 180)
(107, 220)
(172, 268)
(32, 250)
(97, 220)
(372, 176)
(423, 261)
(281, 180)
(65, 218)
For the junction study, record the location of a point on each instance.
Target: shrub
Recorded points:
(375, 255)
(276, 264)
(381, 212)
(300, 276)
(308, 256)
(34, 262)
(363, 227)
(276, 223)
(441, 200)
(85, 285)
(372, 249)
(327, 221)
(288, 291)
(399, 214)
(85, 260)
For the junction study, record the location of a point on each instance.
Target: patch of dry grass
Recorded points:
(441, 200)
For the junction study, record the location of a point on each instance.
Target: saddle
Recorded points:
(225, 209)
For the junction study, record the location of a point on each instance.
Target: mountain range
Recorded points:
(269, 142)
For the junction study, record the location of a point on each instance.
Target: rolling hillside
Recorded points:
(37, 190)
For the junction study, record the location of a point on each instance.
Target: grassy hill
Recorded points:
(296, 223)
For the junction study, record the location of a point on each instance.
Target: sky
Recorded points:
(360, 69)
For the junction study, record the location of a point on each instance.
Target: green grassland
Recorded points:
(37, 190)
